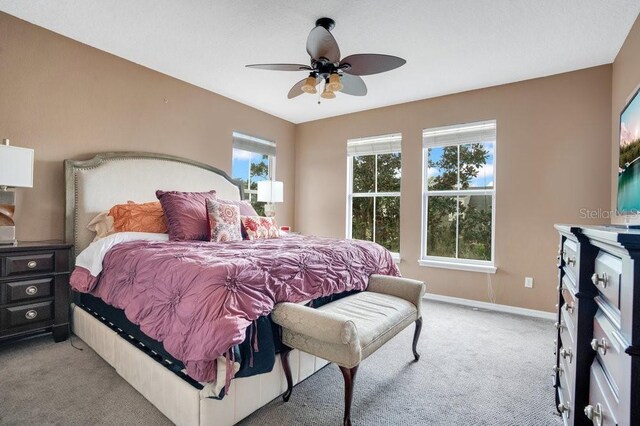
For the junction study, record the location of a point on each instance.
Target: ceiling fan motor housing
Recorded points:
(327, 23)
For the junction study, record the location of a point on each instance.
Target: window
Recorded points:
(459, 196)
(253, 161)
(373, 190)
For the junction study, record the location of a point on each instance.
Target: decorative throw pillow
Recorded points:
(102, 225)
(132, 217)
(186, 214)
(246, 209)
(260, 227)
(224, 221)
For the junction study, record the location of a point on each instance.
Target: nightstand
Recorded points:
(34, 289)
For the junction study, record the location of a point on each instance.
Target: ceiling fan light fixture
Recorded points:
(335, 85)
(327, 94)
(309, 85)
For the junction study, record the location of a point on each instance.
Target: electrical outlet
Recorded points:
(528, 282)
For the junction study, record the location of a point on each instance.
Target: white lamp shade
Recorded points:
(16, 166)
(270, 191)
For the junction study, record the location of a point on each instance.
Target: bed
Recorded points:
(94, 186)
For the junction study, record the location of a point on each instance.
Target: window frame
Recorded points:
(473, 265)
(270, 174)
(375, 195)
(244, 142)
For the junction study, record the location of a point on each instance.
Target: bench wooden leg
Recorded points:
(416, 336)
(284, 356)
(349, 375)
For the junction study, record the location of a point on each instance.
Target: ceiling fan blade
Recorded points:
(296, 90)
(321, 44)
(280, 67)
(371, 63)
(353, 85)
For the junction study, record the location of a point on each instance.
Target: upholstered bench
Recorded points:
(350, 329)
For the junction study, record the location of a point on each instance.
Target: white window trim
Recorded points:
(350, 195)
(471, 265)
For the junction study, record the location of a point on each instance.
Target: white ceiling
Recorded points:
(450, 45)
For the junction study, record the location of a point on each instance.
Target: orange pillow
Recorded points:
(132, 217)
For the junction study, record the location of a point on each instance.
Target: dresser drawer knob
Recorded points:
(31, 290)
(558, 370)
(594, 414)
(32, 264)
(597, 279)
(566, 353)
(569, 307)
(564, 408)
(31, 314)
(600, 345)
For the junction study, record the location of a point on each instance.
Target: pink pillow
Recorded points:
(186, 214)
(246, 209)
(258, 227)
(224, 221)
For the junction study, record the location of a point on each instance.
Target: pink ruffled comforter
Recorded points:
(199, 298)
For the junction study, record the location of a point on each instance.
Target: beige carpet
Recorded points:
(477, 368)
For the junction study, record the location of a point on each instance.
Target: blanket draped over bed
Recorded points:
(198, 298)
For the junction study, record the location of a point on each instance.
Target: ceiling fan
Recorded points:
(326, 65)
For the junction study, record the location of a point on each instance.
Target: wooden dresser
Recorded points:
(34, 289)
(597, 371)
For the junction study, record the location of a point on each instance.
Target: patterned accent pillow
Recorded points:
(260, 227)
(186, 214)
(224, 221)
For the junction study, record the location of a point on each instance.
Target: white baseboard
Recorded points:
(492, 306)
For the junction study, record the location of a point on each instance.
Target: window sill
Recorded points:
(470, 267)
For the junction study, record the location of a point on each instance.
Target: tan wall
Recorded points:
(68, 100)
(552, 161)
(625, 82)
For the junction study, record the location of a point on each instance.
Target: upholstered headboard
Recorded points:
(95, 185)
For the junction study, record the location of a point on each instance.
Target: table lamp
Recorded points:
(16, 171)
(270, 191)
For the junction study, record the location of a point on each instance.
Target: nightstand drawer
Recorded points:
(26, 290)
(16, 316)
(29, 264)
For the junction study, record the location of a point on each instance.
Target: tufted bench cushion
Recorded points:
(348, 330)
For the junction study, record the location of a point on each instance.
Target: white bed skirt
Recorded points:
(177, 399)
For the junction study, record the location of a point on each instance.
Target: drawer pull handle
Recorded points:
(31, 314)
(32, 264)
(597, 279)
(569, 307)
(31, 290)
(558, 370)
(564, 408)
(566, 353)
(594, 414)
(559, 325)
(571, 261)
(600, 345)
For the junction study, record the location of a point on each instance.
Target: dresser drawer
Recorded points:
(603, 404)
(16, 316)
(609, 346)
(570, 257)
(607, 276)
(29, 264)
(18, 291)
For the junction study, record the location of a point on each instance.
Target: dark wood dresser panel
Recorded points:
(34, 289)
(597, 371)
